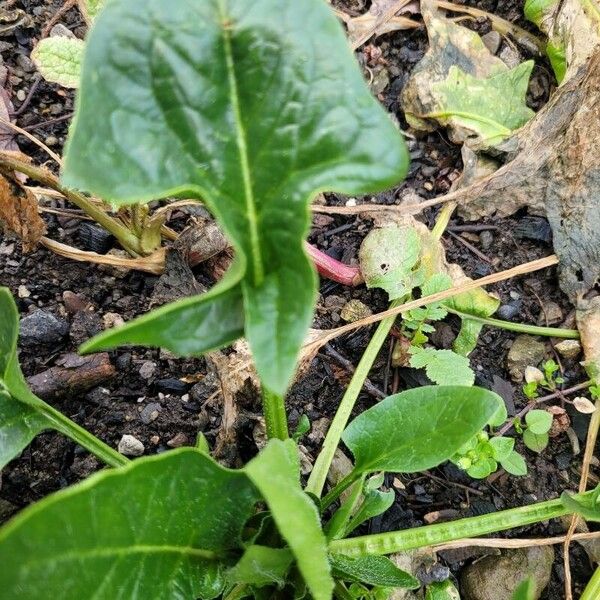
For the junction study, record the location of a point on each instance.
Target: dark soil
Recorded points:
(184, 408)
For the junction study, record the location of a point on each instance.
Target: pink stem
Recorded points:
(334, 269)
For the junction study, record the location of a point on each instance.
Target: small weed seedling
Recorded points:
(254, 107)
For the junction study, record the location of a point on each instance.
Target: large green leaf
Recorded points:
(276, 473)
(419, 428)
(252, 107)
(20, 417)
(153, 529)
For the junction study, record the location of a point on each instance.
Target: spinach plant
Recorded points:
(251, 107)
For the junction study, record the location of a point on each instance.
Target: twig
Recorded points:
(12, 161)
(515, 543)
(33, 139)
(576, 388)
(67, 6)
(470, 247)
(523, 269)
(36, 82)
(344, 362)
(48, 122)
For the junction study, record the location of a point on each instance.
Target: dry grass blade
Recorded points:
(33, 139)
(515, 543)
(155, 263)
(19, 213)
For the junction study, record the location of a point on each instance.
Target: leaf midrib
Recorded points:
(123, 551)
(242, 146)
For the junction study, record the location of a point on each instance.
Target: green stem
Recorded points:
(567, 334)
(339, 489)
(317, 478)
(83, 437)
(275, 415)
(431, 535)
(341, 593)
(126, 238)
(592, 589)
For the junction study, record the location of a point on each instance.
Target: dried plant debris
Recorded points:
(588, 323)
(19, 213)
(359, 26)
(460, 84)
(553, 165)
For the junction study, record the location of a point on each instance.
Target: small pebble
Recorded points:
(111, 319)
(355, 310)
(486, 239)
(179, 440)
(147, 369)
(150, 413)
(21, 95)
(42, 327)
(492, 41)
(23, 292)
(130, 446)
(569, 349)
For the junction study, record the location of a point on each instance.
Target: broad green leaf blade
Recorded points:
(191, 326)
(489, 109)
(276, 473)
(502, 447)
(9, 329)
(443, 367)
(514, 464)
(252, 107)
(261, 565)
(59, 60)
(19, 423)
(152, 529)
(418, 429)
(372, 570)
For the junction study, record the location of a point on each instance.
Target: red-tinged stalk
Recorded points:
(334, 269)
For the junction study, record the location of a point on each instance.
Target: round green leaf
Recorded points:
(418, 429)
(538, 421)
(501, 447)
(534, 441)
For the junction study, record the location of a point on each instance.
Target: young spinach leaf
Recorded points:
(261, 566)
(252, 108)
(419, 428)
(22, 414)
(276, 473)
(372, 570)
(157, 528)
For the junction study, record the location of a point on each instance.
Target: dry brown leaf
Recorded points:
(7, 135)
(358, 26)
(19, 213)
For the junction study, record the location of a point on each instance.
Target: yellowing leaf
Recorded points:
(482, 112)
(59, 59)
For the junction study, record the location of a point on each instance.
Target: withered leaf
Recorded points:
(19, 213)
